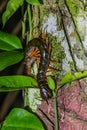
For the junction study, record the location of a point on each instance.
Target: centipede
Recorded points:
(38, 50)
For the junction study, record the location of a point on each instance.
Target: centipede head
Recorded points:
(45, 92)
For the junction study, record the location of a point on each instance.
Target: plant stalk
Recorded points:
(30, 21)
(55, 111)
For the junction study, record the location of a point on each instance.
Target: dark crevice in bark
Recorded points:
(66, 35)
(74, 24)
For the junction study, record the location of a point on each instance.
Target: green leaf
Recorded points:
(20, 119)
(33, 2)
(16, 82)
(10, 58)
(9, 42)
(51, 83)
(11, 8)
(69, 77)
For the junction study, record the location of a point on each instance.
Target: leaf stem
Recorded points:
(24, 24)
(55, 111)
(30, 21)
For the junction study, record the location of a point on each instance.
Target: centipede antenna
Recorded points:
(51, 69)
(47, 101)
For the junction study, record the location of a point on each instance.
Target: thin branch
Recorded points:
(2, 5)
(17, 28)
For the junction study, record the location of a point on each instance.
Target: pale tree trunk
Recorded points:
(65, 24)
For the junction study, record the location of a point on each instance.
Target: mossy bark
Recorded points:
(65, 25)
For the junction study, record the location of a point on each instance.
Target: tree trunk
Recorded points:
(65, 24)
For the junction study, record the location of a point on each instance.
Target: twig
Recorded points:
(2, 5)
(17, 29)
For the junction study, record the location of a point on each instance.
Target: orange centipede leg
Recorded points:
(45, 38)
(50, 69)
(47, 42)
(29, 70)
(32, 53)
(36, 53)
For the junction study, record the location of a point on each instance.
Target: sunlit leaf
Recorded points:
(9, 42)
(51, 83)
(16, 82)
(69, 77)
(33, 2)
(10, 58)
(11, 8)
(20, 119)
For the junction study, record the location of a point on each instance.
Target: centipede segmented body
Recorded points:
(38, 50)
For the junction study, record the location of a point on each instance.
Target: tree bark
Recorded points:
(65, 24)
